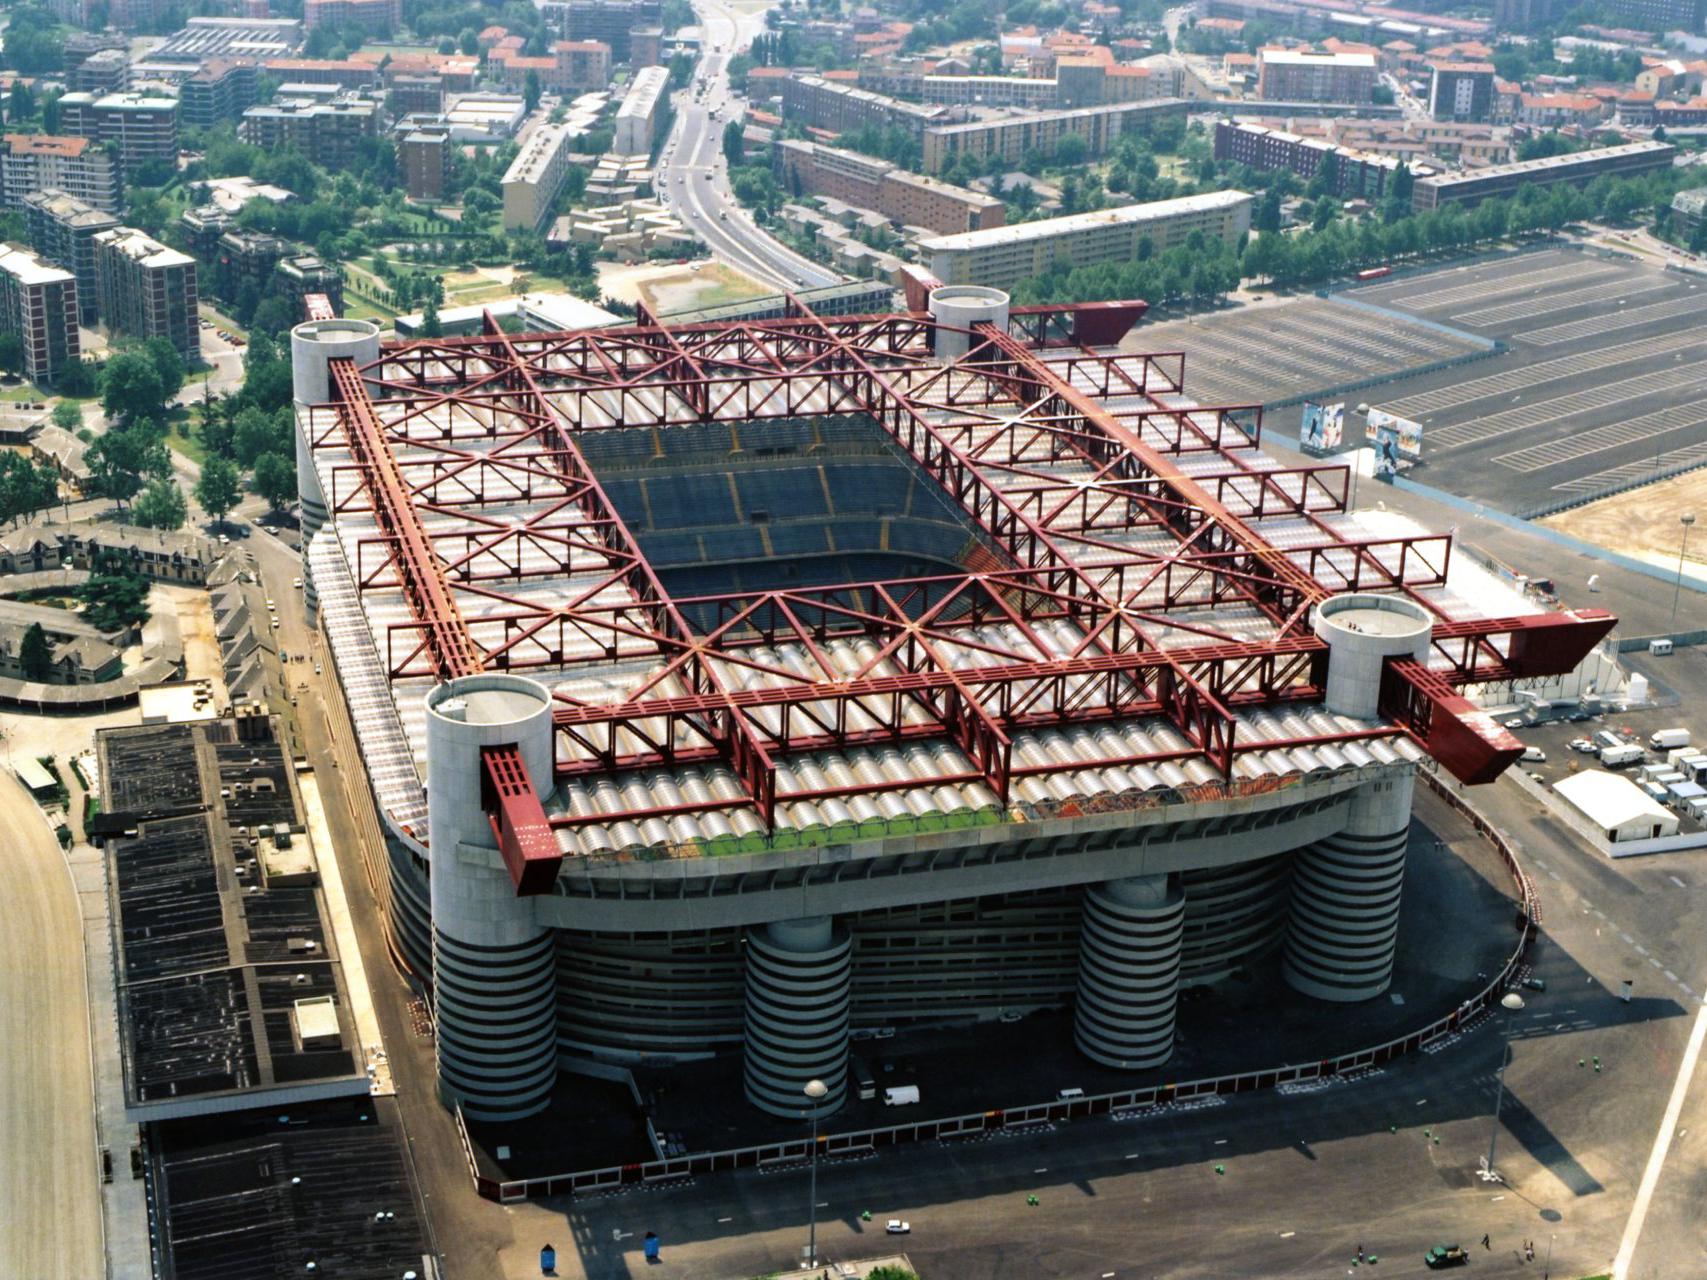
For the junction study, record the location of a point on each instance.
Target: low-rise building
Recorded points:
(301, 275)
(1578, 168)
(78, 653)
(38, 302)
(1555, 110)
(1688, 210)
(62, 230)
(1003, 256)
(148, 290)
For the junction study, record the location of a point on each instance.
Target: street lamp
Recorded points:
(815, 1091)
(1512, 1003)
(1686, 519)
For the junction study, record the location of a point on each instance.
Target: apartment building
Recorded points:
(574, 66)
(1556, 110)
(1578, 168)
(612, 22)
(371, 17)
(345, 73)
(638, 116)
(38, 302)
(62, 230)
(147, 290)
(423, 155)
(42, 162)
(844, 108)
(107, 71)
(1003, 256)
(303, 274)
(221, 89)
(1461, 90)
(1291, 75)
(1360, 175)
(326, 132)
(1011, 137)
(535, 176)
(141, 127)
(907, 199)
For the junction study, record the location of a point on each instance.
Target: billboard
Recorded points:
(1393, 438)
(1322, 429)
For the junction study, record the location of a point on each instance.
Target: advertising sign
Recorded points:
(1322, 428)
(1393, 438)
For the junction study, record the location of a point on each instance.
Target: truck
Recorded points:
(1666, 739)
(1618, 757)
(901, 1095)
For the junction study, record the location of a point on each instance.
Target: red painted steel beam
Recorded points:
(524, 835)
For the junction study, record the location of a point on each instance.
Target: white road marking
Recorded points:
(1287, 1235)
(1662, 1145)
(1677, 882)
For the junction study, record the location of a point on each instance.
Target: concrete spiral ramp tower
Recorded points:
(799, 979)
(1129, 958)
(1346, 889)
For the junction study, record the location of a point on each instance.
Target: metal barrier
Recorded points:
(861, 1141)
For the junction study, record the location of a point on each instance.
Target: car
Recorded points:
(1445, 1255)
(898, 1227)
(275, 624)
(297, 583)
(723, 215)
(1011, 1015)
(1515, 723)
(1535, 984)
(1583, 745)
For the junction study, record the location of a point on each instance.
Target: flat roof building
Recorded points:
(41, 162)
(844, 108)
(1292, 75)
(148, 290)
(1577, 168)
(907, 199)
(221, 89)
(1616, 807)
(63, 230)
(143, 128)
(637, 118)
(424, 157)
(1461, 90)
(371, 17)
(38, 302)
(1004, 256)
(535, 176)
(1012, 137)
(326, 132)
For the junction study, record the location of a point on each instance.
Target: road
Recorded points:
(692, 172)
(50, 1209)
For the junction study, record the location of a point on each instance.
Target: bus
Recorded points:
(865, 1084)
(1374, 273)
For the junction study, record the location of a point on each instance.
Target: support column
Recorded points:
(1129, 958)
(799, 976)
(311, 346)
(1344, 927)
(494, 968)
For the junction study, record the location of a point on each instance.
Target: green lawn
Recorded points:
(188, 445)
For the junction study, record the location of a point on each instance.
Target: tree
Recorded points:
(1381, 95)
(430, 326)
(1070, 151)
(168, 366)
(219, 488)
(275, 479)
(34, 654)
(115, 597)
(25, 486)
(734, 144)
(530, 90)
(21, 105)
(890, 1271)
(11, 352)
(67, 415)
(118, 460)
(50, 113)
(160, 506)
(131, 388)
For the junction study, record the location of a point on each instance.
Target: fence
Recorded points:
(866, 1140)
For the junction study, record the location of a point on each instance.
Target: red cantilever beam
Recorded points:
(524, 836)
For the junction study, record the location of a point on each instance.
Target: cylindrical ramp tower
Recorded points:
(799, 977)
(1129, 958)
(311, 346)
(1344, 925)
(962, 306)
(494, 969)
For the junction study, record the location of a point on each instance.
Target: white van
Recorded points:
(901, 1095)
(1069, 1095)
(1534, 755)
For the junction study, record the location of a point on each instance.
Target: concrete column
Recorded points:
(799, 976)
(961, 306)
(1346, 889)
(494, 968)
(1363, 631)
(311, 346)
(1129, 958)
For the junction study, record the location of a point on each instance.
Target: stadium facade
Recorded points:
(726, 688)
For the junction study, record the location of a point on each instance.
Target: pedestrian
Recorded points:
(1360, 1253)
(1485, 1243)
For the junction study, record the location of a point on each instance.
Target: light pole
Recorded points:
(814, 1091)
(1512, 1003)
(1686, 519)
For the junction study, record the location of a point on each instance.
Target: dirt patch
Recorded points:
(1644, 522)
(674, 286)
(196, 629)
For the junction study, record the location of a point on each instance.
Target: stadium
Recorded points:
(732, 689)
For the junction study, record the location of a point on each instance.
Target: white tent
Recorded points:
(1617, 806)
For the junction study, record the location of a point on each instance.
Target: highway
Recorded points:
(692, 172)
